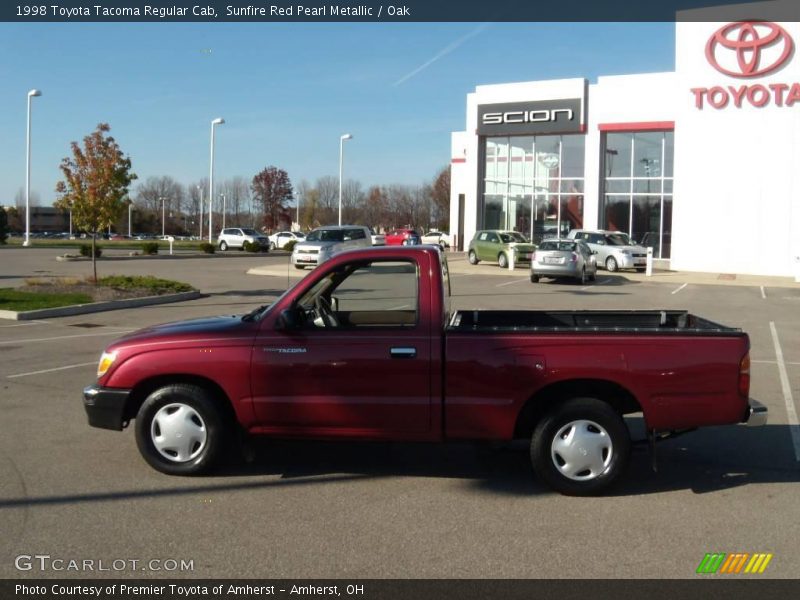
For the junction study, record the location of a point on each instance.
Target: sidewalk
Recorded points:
(458, 263)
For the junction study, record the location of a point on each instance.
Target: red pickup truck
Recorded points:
(324, 361)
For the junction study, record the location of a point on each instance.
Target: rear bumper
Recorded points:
(105, 407)
(756, 415)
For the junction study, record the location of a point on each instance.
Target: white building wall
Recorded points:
(737, 195)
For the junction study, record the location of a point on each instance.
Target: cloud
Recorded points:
(443, 52)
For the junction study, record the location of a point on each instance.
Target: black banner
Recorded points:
(412, 589)
(526, 118)
(401, 11)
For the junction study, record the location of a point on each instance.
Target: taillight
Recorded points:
(574, 258)
(744, 376)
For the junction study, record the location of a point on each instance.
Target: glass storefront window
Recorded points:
(534, 184)
(637, 183)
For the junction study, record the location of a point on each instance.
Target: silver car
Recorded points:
(325, 242)
(563, 258)
(614, 249)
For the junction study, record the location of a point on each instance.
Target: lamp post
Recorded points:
(224, 210)
(163, 215)
(27, 241)
(217, 121)
(200, 187)
(130, 209)
(342, 139)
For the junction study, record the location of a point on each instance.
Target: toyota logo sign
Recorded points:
(749, 49)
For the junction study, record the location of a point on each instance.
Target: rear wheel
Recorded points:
(179, 430)
(472, 257)
(641, 269)
(611, 264)
(223, 246)
(581, 447)
(502, 260)
(534, 278)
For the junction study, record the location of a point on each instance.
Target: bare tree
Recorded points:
(440, 199)
(150, 193)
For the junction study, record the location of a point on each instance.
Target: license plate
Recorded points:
(305, 257)
(552, 260)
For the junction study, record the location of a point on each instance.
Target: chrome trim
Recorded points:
(756, 414)
(405, 352)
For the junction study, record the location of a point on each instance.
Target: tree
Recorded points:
(273, 191)
(96, 183)
(3, 225)
(440, 195)
(149, 195)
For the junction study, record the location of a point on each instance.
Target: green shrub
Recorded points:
(86, 250)
(207, 248)
(290, 245)
(150, 248)
(148, 282)
(251, 247)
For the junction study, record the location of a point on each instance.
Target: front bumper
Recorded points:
(756, 415)
(105, 407)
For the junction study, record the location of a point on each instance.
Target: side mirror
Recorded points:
(287, 320)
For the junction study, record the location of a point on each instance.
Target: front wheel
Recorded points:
(581, 447)
(223, 246)
(472, 257)
(179, 430)
(502, 260)
(611, 264)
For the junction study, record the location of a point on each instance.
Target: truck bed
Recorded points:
(587, 321)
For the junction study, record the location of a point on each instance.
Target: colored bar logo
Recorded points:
(734, 564)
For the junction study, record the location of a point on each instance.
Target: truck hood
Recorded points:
(207, 328)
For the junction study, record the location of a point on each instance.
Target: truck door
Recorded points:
(355, 360)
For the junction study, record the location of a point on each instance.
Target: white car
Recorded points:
(378, 239)
(235, 237)
(280, 239)
(325, 242)
(437, 238)
(614, 250)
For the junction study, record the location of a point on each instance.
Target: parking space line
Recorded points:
(679, 289)
(94, 362)
(763, 293)
(794, 424)
(26, 324)
(510, 282)
(774, 362)
(64, 337)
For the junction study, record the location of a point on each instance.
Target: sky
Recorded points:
(287, 91)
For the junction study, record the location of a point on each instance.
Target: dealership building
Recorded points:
(702, 164)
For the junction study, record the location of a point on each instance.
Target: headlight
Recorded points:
(106, 360)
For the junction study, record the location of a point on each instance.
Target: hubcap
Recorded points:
(178, 432)
(581, 450)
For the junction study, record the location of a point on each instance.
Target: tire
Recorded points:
(472, 257)
(611, 264)
(534, 278)
(271, 246)
(179, 430)
(502, 260)
(593, 277)
(223, 246)
(641, 269)
(562, 438)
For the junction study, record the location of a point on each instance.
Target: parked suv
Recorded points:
(235, 237)
(325, 242)
(494, 245)
(614, 249)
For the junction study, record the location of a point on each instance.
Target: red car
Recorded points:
(402, 237)
(319, 362)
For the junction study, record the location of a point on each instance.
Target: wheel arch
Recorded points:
(618, 397)
(144, 388)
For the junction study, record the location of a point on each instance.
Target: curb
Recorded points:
(81, 309)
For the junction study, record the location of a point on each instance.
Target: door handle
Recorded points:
(403, 352)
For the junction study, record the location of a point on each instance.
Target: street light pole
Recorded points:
(224, 210)
(200, 187)
(163, 215)
(217, 121)
(342, 139)
(130, 208)
(27, 241)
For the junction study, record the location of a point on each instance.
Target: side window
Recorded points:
(377, 295)
(492, 237)
(356, 234)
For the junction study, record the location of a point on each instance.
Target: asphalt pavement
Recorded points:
(349, 510)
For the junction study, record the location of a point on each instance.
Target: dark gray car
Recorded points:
(563, 258)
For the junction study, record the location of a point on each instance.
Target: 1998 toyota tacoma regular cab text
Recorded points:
(318, 361)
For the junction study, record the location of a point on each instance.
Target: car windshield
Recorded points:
(249, 231)
(325, 235)
(618, 239)
(563, 246)
(511, 236)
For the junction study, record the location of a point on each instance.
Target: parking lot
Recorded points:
(346, 510)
